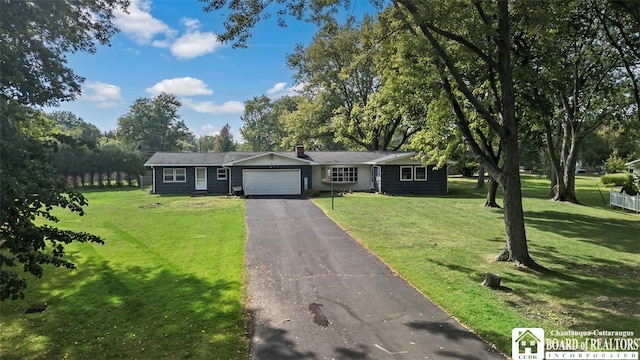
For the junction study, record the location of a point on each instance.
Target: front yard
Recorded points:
(169, 281)
(445, 245)
(166, 285)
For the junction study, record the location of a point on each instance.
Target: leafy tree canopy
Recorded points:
(224, 142)
(29, 190)
(263, 128)
(154, 125)
(36, 37)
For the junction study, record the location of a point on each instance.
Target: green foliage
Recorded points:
(223, 142)
(356, 100)
(308, 125)
(205, 143)
(154, 125)
(616, 179)
(615, 164)
(630, 188)
(36, 38)
(29, 190)
(263, 128)
(83, 155)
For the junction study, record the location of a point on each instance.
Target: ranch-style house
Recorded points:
(294, 173)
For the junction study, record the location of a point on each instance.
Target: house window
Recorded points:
(420, 173)
(174, 174)
(406, 173)
(342, 174)
(222, 174)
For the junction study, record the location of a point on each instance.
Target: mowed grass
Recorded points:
(167, 284)
(444, 245)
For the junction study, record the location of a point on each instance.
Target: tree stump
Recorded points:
(492, 280)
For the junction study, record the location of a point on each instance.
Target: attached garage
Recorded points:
(271, 181)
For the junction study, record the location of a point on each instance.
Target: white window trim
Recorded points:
(173, 172)
(415, 173)
(346, 170)
(222, 175)
(406, 167)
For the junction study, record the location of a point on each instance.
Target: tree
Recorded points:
(342, 71)
(582, 77)
(65, 120)
(36, 37)
(154, 125)
(29, 190)
(263, 129)
(205, 143)
(464, 38)
(223, 142)
(308, 125)
(478, 34)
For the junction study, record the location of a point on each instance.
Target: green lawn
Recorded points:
(444, 245)
(167, 284)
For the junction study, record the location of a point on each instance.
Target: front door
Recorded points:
(376, 179)
(201, 178)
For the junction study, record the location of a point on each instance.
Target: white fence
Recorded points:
(624, 201)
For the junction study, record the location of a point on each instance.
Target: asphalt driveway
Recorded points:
(315, 293)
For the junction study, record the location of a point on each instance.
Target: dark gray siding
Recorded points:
(436, 183)
(214, 186)
(305, 171)
(187, 187)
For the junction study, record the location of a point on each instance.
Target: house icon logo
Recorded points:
(527, 344)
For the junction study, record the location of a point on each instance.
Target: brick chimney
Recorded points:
(300, 150)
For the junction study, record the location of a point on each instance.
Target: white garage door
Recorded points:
(271, 181)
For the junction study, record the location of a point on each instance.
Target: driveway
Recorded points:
(315, 293)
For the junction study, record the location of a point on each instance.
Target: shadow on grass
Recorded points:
(621, 235)
(589, 292)
(138, 313)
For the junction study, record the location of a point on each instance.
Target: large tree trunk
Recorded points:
(503, 123)
(492, 191)
(480, 184)
(563, 165)
(554, 182)
(516, 249)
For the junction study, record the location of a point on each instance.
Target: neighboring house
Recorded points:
(634, 167)
(293, 173)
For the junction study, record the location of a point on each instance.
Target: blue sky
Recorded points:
(171, 46)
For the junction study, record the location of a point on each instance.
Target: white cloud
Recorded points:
(103, 94)
(209, 107)
(280, 89)
(194, 43)
(184, 86)
(209, 130)
(138, 23)
(191, 24)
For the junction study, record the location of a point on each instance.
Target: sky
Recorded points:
(171, 46)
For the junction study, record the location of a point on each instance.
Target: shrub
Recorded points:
(630, 189)
(614, 164)
(617, 179)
